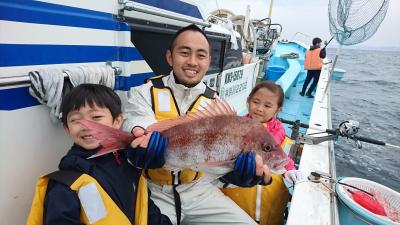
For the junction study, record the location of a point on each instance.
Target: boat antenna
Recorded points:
(352, 22)
(219, 10)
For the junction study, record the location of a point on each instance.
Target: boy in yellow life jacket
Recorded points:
(105, 189)
(313, 64)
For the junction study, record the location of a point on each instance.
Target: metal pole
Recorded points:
(270, 8)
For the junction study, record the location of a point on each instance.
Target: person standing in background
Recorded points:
(313, 64)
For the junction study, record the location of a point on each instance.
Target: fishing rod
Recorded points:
(327, 42)
(347, 129)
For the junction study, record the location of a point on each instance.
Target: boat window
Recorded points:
(217, 54)
(233, 58)
(153, 39)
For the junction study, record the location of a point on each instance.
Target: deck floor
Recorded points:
(295, 107)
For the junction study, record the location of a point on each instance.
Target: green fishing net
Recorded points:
(354, 21)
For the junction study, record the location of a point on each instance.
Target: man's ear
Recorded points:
(168, 57)
(118, 121)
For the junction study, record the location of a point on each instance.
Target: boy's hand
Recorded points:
(137, 131)
(148, 151)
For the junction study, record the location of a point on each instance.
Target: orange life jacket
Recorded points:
(312, 60)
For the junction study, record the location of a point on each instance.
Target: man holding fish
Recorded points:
(203, 145)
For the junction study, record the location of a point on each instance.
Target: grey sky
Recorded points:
(310, 17)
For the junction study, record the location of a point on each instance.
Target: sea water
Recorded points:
(370, 94)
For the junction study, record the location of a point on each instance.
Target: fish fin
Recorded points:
(165, 124)
(216, 164)
(111, 139)
(105, 131)
(216, 107)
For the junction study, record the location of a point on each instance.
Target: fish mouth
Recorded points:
(279, 166)
(279, 171)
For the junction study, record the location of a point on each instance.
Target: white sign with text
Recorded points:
(236, 85)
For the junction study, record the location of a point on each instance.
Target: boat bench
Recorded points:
(289, 78)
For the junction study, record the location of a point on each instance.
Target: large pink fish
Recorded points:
(208, 140)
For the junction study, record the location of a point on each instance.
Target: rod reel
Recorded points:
(318, 177)
(349, 129)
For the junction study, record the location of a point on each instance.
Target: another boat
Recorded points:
(338, 74)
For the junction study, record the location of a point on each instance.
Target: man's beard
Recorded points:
(183, 83)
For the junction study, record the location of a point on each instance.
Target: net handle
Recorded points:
(331, 72)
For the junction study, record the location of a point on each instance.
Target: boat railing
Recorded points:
(24, 79)
(132, 6)
(215, 19)
(305, 36)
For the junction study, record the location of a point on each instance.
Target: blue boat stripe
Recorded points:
(124, 83)
(47, 13)
(176, 6)
(23, 55)
(17, 98)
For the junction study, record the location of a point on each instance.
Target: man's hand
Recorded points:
(248, 171)
(148, 151)
(263, 171)
(245, 167)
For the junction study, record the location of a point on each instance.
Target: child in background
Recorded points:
(264, 103)
(101, 190)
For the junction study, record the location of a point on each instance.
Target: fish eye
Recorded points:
(267, 147)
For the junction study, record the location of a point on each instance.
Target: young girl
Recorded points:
(264, 103)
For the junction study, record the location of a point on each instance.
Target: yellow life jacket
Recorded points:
(165, 107)
(83, 183)
(312, 60)
(265, 204)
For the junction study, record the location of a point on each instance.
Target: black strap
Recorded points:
(157, 82)
(197, 174)
(209, 93)
(67, 177)
(177, 200)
